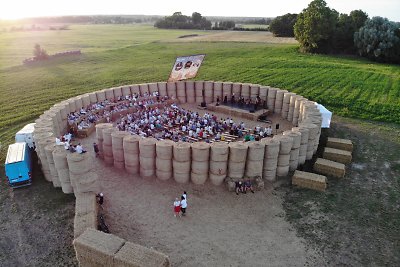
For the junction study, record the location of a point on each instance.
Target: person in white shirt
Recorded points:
(79, 149)
(66, 145)
(58, 141)
(177, 207)
(183, 205)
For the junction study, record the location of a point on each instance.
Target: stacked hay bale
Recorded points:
(208, 92)
(40, 145)
(254, 91)
(78, 102)
(315, 117)
(53, 171)
(144, 89)
(39, 134)
(64, 111)
(135, 89)
(153, 88)
(81, 174)
(226, 90)
(190, 92)
(309, 180)
(107, 146)
(264, 93)
(285, 104)
(171, 90)
(86, 212)
(285, 147)
(330, 168)
(295, 151)
(245, 91)
(338, 143)
(271, 98)
(219, 154)
(303, 143)
(117, 92)
(236, 89)
(292, 102)
(147, 157)
(279, 101)
(162, 88)
(117, 138)
(312, 138)
(181, 91)
(270, 158)
(181, 162)
(126, 90)
(93, 98)
(198, 87)
(218, 93)
(61, 165)
(110, 94)
(99, 133)
(86, 100)
(130, 145)
(164, 152)
(255, 159)
(200, 162)
(237, 160)
(296, 109)
(95, 248)
(100, 95)
(338, 155)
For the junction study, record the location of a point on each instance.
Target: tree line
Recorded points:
(180, 21)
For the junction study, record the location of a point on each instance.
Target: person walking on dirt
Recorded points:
(100, 198)
(183, 205)
(96, 149)
(177, 207)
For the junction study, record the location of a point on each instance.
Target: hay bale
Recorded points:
(144, 89)
(164, 149)
(86, 203)
(269, 175)
(117, 139)
(61, 165)
(296, 136)
(153, 88)
(93, 98)
(181, 178)
(309, 180)
(200, 151)
(330, 168)
(254, 168)
(53, 171)
(313, 129)
(208, 89)
(219, 151)
(338, 155)
(343, 144)
(197, 178)
(218, 167)
(270, 163)
(255, 151)
(85, 183)
(99, 130)
(304, 134)
(236, 89)
(95, 248)
(107, 139)
(132, 169)
(162, 88)
(218, 93)
(146, 173)
(135, 89)
(236, 169)
(271, 148)
(147, 147)
(237, 152)
(282, 171)
(263, 92)
(198, 88)
(181, 151)
(100, 95)
(286, 143)
(79, 163)
(227, 89)
(82, 222)
(131, 255)
(245, 91)
(130, 144)
(147, 162)
(164, 164)
(200, 167)
(283, 159)
(126, 90)
(131, 159)
(181, 166)
(217, 179)
(163, 175)
(254, 91)
(171, 89)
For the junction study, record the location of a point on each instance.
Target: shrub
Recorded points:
(283, 25)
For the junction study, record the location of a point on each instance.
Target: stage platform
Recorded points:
(239, 112)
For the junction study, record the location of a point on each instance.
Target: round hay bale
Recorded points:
(146, 173)
(269, 175)
(118, 154)
(181, 178)
(181, 166)
(126, 90)
(270, 164)
(200, 167)
(303, 150)
(147, 147)
(144, 89)
(271, 147)
(117, 92)
(164, 149)
(309, 154)
(283, 159)
(245, 90)
(181, 151)
(110, 93)
(67, 188)
(294, 154)
(163, 175)
(86, 100)
(198, 88)
(162, 88)
(219, 151)
(208, 100)
(256, 151)
(237, 152)
(119, 164)
(164, 164)
(304, 134)
(135, 89)
(108, 160)
(200, 151)
(107, 151)
(72, 105)
(93, 98)
(209, 89)
(130, 144)
(285, 143)
(287, 96)
(107, 140)
(86, 183)
(147, 163)
(218, 93)
(272, 93)
(254, 90)
(117, 138)
(218, 167)
(282, 171)
(293, 164)
(296, 136)
(227, 89)
(171, 89)
(79, 164)
(153, 88)
(197, 178)
(217, 179)
(180, 89)
(236, 169)
(263, 92)
(236, 89)
(132, 169)
(131, 159)
(313, 129)
(302, 160)
(254, 168)
(60, 158)
(99, 129)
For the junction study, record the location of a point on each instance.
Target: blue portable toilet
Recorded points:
(18, 165)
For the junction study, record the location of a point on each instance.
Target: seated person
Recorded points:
(79, 149)
(248, 186)
(239, 187)
(247, 138)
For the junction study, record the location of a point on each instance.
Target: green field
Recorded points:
(127, 54)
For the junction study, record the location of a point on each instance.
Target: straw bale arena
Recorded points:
(141, 174)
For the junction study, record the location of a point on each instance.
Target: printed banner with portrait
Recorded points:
(186, 67)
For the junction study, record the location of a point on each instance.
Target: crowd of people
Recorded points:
(241, 102)
(180, 205)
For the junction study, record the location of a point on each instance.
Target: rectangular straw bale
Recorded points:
(309, 180)
(86, 203)
(83, 222)
(338, 155)
(97, 248)
(330, 168)
(337, 143)
(133, 255)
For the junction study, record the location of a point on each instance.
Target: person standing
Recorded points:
(96, 149)
(183, 205)
(177, 207)
(184, 195)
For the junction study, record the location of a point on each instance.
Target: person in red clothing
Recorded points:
(177, 207)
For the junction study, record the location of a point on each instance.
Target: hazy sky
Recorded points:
(11, 9)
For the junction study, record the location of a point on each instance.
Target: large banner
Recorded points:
(185, 67)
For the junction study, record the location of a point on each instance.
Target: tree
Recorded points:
(315, 27)
(379, 39)
(283, 25)
(179, 21)
(39, 53)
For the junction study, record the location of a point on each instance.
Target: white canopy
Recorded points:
(326, 116)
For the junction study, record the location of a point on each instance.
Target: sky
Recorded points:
(14, 9)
